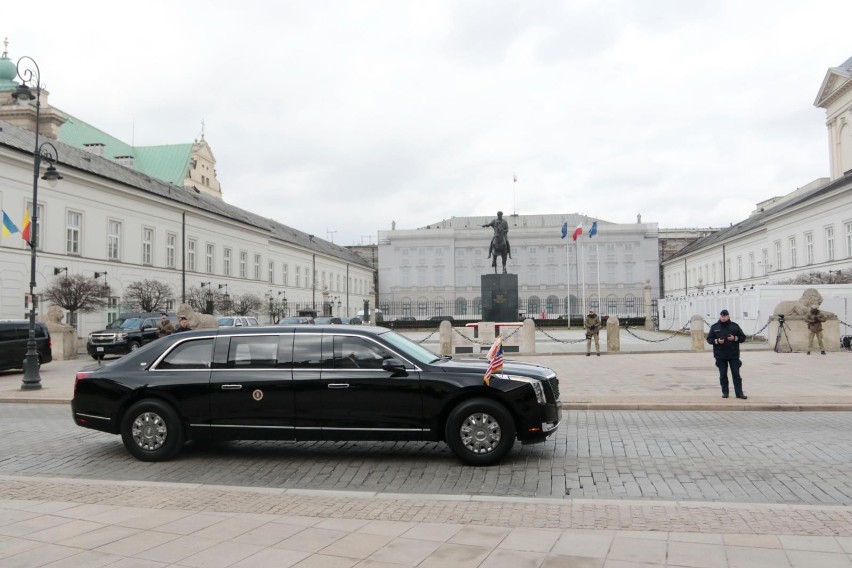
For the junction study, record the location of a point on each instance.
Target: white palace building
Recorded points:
(741, 268)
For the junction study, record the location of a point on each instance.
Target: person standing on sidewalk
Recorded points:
(592, 323)
(814, 320)
(725, 336)
(165, 326)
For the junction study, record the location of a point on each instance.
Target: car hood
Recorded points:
(480, 365)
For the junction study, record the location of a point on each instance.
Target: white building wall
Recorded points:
(442, 265)
(100, 200)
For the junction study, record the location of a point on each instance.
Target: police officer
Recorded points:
(725, 336)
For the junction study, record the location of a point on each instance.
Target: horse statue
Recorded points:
(500, 246)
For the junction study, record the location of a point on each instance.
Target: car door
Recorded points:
(251, 387)
(149, 330)
(362, 400)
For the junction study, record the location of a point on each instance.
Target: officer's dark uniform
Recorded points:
(727, 353)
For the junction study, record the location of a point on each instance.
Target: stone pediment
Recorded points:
(837, 82)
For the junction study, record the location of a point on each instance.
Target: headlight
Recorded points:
(121, 336)
(536, 386)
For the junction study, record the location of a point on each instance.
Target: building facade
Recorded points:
(436, 270)
(808, 230)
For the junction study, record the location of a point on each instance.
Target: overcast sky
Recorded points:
(339, 117)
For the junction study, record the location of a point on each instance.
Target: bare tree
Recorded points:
(206, 299)
(148, 296)
(245, 304)
(77, 293)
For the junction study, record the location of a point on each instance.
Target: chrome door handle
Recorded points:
(231, 387)
(338, 385)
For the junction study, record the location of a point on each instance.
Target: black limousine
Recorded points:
(313, 383)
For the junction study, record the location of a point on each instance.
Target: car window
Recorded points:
(225, 321)
(307, 352)
(9, 333)
(194, 354)
(253, 352)
(358, 353)
(252, 321)
(132, 323)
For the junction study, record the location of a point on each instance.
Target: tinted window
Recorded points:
(253, 352)
(357, 353)
(189, 355)
(8, 333)
(307, 352)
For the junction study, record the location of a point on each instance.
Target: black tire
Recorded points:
(151, 431)
(134, 345)
(480, 431)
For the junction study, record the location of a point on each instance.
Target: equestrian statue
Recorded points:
(499, 242)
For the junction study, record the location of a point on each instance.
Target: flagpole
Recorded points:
(599, 271)
(583, 264)
(514, 203)
(568, 280)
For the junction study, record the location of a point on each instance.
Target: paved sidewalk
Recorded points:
(62, 522)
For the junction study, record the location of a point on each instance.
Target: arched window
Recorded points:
(551, 305)
(594, 303)
(612, 304)
(439, 306)
(477, 305)
(533, 305)
(630, 303)
(422, 307)
(461, 307)
(406, 306)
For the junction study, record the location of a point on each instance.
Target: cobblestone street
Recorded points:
(752, 457)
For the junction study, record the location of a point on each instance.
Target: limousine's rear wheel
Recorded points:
(151, 431)
(480, 431)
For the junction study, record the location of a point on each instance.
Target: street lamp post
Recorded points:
(45, 152)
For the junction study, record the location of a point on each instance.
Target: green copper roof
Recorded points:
(8, 73)
(169, 163)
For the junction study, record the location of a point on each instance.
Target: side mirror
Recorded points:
(394, 366)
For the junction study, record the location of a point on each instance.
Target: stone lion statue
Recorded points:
(196, 320)
(811, 298)
(53, 318)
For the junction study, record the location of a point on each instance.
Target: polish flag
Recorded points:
(577, 232)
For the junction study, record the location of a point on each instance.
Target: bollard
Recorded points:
(445, 333)
(613, 337)
(527, 332)
(696, 325)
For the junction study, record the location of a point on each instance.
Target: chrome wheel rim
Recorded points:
(480, 433)
(149, 431)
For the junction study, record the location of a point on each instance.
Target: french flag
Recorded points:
(577, 232)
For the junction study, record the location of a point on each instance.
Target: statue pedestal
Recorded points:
(500, 297)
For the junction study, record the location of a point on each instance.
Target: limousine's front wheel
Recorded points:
(151, 431)
(480, 431)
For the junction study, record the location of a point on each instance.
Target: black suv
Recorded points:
(310, 382)
(14, 335)
(128, 333)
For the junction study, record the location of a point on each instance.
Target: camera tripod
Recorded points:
(782, 331)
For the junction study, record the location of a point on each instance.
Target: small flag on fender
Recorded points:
(495, 359)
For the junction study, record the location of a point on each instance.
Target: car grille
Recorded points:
(552, 385)
(103, 338)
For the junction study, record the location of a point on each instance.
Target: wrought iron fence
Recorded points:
(532, 307)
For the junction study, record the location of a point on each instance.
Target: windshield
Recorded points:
(409, 348)
(225, 321)
(129, 323)
(132, 323)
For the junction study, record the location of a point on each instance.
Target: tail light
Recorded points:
(80, 376)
